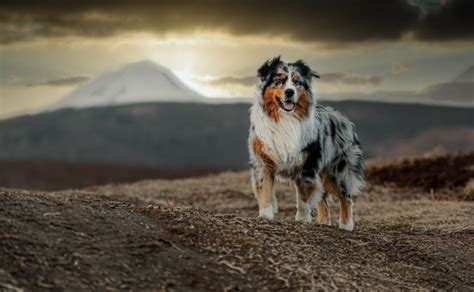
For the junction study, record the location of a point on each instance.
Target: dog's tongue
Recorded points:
(288, 105)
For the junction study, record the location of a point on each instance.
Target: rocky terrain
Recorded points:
(203, 234)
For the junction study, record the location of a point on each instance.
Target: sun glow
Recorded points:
(200, 86)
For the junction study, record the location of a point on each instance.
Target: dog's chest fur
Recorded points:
(284, 140)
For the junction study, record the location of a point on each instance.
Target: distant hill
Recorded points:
(197, 135)
(143, 81)
(460, 89)
(451, 91)
(466, 76)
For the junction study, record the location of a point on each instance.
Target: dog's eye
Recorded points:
(277, 82)
(297, 82)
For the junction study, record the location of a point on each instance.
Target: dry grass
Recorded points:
(469, 190)
(230, 193)
(405, 238)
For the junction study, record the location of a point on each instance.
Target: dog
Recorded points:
(293, 139)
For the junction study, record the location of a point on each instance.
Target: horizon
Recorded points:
(395, 51)
(206, 98)
(223, 145)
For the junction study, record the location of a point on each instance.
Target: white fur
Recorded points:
(267, 212)
(283, 140)
(274, 204)
(349, 226)
(303, 212)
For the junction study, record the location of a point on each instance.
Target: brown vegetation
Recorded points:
(49, 175)
(431, 174)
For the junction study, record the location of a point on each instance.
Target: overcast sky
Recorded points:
(387, 49)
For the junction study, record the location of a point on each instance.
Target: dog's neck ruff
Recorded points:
(284, 139)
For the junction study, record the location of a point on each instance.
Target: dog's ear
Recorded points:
(305, 70)
(267, 68)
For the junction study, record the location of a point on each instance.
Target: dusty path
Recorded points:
(202, 233)
(72, 243)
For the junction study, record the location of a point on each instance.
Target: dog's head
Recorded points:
(286, 87)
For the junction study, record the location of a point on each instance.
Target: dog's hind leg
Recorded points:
(346, 220)
(308, 193)
(324, 213)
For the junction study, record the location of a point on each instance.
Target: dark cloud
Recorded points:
(60, 82)
(301, 20)
(343, 78)
(232, 80)
(453, 20)
(306, 20)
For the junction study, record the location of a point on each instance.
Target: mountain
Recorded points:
(460, 89)
(200, 135)
(143, 81)
(462, 92)
(466, 76)
(458, 92)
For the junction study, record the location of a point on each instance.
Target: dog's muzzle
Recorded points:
(288, 104)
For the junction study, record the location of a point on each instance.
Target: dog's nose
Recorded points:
(289, 93)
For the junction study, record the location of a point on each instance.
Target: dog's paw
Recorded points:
(303, 217)
(349, 226)
(266, 213)
(326, 221)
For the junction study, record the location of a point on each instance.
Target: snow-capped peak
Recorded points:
(143, 81)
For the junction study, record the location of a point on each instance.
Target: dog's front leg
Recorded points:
(263, 177)
(309, 192)
(263, 181)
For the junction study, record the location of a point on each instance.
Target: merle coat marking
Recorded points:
(291, 138)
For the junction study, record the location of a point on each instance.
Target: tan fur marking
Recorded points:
(270, 96)
(330, 186)
(346, 213)
(264, 191)
(301, 109)
(323, 210)
(259, 150)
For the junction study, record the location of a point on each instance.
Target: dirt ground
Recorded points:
(203, 234)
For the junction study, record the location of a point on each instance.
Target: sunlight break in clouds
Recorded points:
(391, 46)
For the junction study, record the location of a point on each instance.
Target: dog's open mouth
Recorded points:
(287, 105)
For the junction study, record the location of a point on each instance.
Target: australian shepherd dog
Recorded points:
(291, 138)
